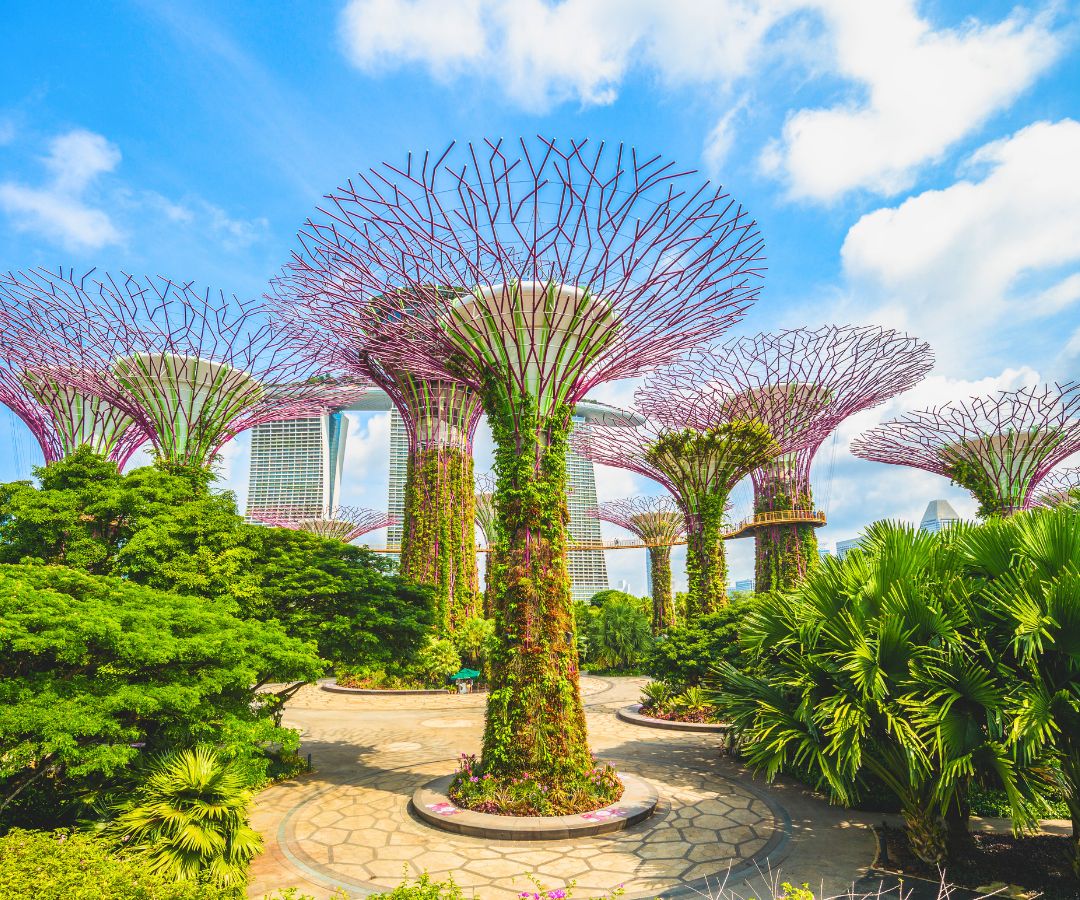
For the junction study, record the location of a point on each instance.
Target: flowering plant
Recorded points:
(528, 794)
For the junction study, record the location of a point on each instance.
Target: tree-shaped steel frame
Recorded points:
(660, 524)
(802, 383)
(438, 544)
(192, 369)
(533, 272)
(699, 470)
(344, 523)
(999, 447)
(1059, 487)
(485, 505)
(59, 417)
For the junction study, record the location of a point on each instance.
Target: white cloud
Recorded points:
(951, 263)
(59, 209)
(913, 90)
(925, 89)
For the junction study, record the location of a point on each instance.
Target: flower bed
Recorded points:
(707, 716)
(531, 796)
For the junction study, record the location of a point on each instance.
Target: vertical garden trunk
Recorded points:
(783, 553)
(438, 544)
(535, 718)
(706, 559)
(663, 607)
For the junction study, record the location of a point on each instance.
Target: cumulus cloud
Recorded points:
(911, 90)
(1004, 240)
(59, 208)
(922, 91)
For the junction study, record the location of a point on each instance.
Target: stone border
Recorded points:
(433, 805)
(633, 715)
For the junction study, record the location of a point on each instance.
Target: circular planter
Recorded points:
(632, 714)
(336, 688)
(432, 803)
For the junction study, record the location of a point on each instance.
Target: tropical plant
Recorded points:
(188, 819)
(876, 666)
(619, 635)
(472, 639)
(437, 660)
(656, 695)
(692, 702)
(1027, 571)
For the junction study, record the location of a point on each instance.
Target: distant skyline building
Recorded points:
(845, 547)
(296, 464)
(746, 585)
(939, 514)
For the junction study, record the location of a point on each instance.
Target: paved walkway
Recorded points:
(347, 825)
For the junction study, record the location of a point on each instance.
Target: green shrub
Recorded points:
(619, 635)
(423, 888)
(437, 660)
(472, 640)
(684, 656)
(65, 865)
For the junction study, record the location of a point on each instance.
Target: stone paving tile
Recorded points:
(348, 823)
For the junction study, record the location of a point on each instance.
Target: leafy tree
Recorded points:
(685, 654)
(187, 819)
(93, 667)
(1027, 571)
(602, 598)
(876, 666)
(338, 596)
(473, 638)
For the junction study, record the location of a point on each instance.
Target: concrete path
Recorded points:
(347, 825)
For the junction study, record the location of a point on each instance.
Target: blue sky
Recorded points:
(910, 164)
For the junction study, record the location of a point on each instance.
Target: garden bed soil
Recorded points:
(1036, 863)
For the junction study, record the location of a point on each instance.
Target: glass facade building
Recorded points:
(296, 464)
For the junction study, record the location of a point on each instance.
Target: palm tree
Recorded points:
(1028, 572)
(188, 819)
(874, 667)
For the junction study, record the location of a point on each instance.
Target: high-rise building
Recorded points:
(939, 514)
(745, 586)
(845, 547)
(588, 568)
(296, 464)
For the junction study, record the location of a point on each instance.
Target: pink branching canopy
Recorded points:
(550, 267)
(345, 523)
(191, 368)
(999, 446)
(60, 417)
(802, 383)
(1060, 486)
(656, 520)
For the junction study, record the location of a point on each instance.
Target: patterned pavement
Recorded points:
(347, 825)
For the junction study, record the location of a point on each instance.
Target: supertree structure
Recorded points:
(532, 272)
(1060, 488)
(699, 468)
(60, 417)
(999, 447)
(801, 383)
(438, 542)
(660, 524)
(488, 521)
(345, 523)
(191, 369)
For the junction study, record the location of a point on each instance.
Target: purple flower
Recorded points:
(474, 779)
(557, 894)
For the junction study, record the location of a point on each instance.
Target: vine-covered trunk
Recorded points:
(663, 607)
(706, 559)
(438, 543)
(535, 719)
(784, 553)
